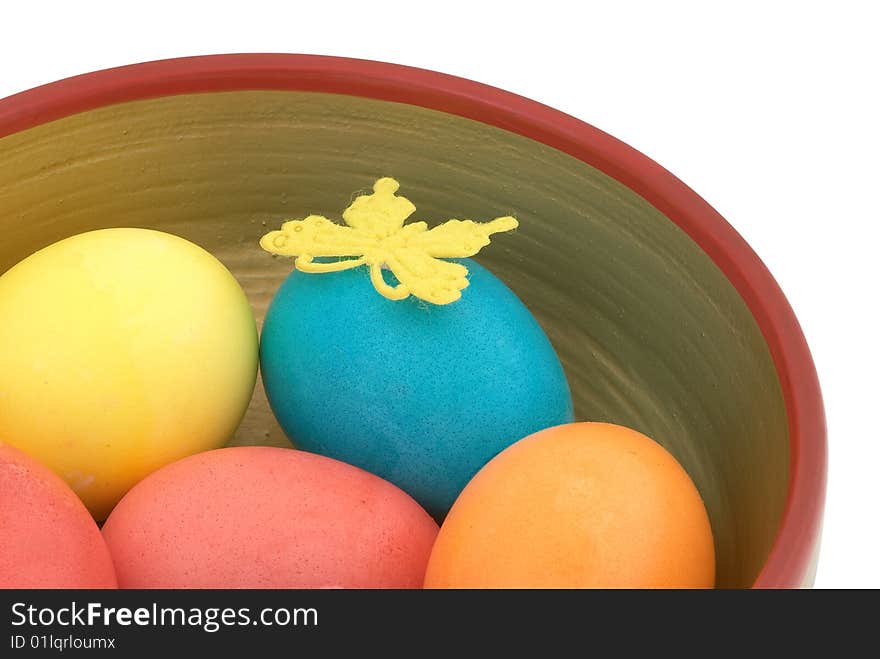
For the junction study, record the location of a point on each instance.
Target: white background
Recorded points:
(769, 110)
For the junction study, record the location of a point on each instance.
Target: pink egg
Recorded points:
(262, 517)
(47, 537)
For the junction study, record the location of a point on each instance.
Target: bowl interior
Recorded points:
(651, 333)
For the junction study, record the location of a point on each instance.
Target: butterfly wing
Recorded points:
(459, 238)
(316, 236)
(429, 279)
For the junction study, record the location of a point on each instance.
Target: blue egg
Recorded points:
(422, 395)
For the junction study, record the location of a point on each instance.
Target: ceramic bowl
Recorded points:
(664, 318)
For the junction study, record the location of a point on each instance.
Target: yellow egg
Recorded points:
(122, 350)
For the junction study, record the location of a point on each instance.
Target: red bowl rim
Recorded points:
(793, 550)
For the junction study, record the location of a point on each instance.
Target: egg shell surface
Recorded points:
(266, 517)
(122, 350)
(584, 505)
(47, 537)
(422, 395)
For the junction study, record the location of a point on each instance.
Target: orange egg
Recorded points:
(47, 537)
(583, 505)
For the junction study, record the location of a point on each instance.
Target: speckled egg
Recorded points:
(422, 395)
(583, 505)
(264, 517)
(47, 537)
(122, 350)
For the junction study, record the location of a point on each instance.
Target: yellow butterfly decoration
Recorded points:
(377, 237)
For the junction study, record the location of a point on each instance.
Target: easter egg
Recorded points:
(47, 537)
(265, 517)
(582, 505)
(421, 394)
(122, 350)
